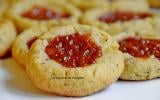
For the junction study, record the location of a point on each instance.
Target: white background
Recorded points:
(15, 85)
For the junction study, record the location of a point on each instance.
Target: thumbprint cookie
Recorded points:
(89, 4)
(122, 21)
(29, 13)
(7, 36)
(142, 57)
(74, 60)
(24, 41)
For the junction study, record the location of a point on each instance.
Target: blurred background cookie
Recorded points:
(29, 13)
(154, 3)
(7, 36)
(89, 4)
(3, 7)
(130, 5)
(115, 22)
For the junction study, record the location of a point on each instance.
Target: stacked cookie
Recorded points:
(79, 47)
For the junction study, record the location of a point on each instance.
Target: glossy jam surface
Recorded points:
(122, 16)
(29, 43)
(139, 47)
(73, 50)
(41, 13)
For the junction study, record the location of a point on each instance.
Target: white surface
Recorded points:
(15, 85)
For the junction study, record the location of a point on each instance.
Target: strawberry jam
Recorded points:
(29, 43)
(139, 47)
(41, 13)
(73, 50)
(122, 16)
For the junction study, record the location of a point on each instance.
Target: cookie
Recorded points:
(130, 5)
(11, 2)
(156, 23)
(154, 3)
(121, 21)
(24, 41)
(7, 36)
(89, 4)
(142, 57)
(29, 13)
(74, 61)
(3, 6)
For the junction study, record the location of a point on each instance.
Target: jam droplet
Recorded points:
(122, 16)
(29, 43)
(41, 13)
(139, 47)
(73, 50)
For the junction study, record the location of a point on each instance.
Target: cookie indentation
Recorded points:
(73, 50)
(41, 13)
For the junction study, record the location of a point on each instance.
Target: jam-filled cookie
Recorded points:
(74, 61)
(7, 36)
(28, 13)
(130, 5)
(24, 41)
(120, 21)
(142, 57)
(89, 4)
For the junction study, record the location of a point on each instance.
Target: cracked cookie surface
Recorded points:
(52, 76)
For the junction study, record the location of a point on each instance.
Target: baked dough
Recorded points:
(44, 72)
(137, 68)
(11, 2)
(21, 48)
(7, 36)
(3, 6)
(140, 69)
(130, 5)
(89, 4)
(154, 3)
(149, 25)
(21, 7)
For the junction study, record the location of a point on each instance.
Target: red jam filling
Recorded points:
(41, 13)
(29, 43)
(73, 50)
(122, 16)
(139, 47)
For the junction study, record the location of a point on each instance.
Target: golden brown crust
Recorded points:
(49, 75)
